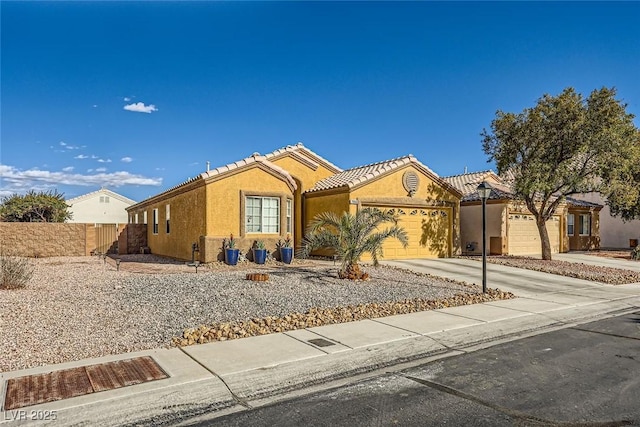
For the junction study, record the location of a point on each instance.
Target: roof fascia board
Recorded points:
(172, 192)
(260, 165)
(328, 192)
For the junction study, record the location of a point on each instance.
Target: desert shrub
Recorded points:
(635, 253)
(15, 272)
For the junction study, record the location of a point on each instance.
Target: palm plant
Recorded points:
(351, 236)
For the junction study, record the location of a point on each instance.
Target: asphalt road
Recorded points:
(587, 375)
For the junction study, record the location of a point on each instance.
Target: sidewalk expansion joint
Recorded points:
(238, 399)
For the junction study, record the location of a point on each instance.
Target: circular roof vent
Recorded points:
(410, 182)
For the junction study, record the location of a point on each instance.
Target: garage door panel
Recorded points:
(428, 230)
(524, 237)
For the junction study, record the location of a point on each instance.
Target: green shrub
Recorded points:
(635, 253)
(15, 272)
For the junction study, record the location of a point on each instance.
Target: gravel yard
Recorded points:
(611, 276)
(80, 307)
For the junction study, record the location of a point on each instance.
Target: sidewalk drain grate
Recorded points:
(320, 342)
(63, 384)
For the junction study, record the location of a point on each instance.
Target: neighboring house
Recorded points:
(614, 232)
(100, 207)
(511, 228)
(267, 197)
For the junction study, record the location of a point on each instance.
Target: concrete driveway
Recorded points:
(522, 282)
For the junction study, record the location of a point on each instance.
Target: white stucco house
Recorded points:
(614, 232)
(100, 207)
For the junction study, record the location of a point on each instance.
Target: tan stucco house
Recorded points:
(267, 197)
(511, 228)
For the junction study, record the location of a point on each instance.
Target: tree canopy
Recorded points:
(564, 145)
(621, 173)
(49, 206)
(351, 236)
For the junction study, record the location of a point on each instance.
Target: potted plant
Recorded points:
(259, 252)
(230, 251)
(286, 250)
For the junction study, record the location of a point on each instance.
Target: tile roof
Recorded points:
(572, 201)
(359, 175)
(467, 184)
(500, 187)
(255, 158)
(300, 150)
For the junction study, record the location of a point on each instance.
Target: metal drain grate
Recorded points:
(320, 342)
(58, 385)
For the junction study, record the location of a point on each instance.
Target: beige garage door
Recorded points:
(524, 237)
(429, 231)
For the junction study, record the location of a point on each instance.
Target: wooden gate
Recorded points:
(107, 238)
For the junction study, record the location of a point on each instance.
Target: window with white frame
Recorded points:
(144, 217)
(289, 212)
(167, 216)
(585, 225)
(155, 221)
(136, 218)
(570, 224)
(262, 214)
(104, 199)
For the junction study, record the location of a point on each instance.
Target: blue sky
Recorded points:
(138, 96)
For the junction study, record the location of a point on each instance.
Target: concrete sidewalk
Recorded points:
(229, 376)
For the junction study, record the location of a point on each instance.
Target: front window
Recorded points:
(155, 221)
(167, 216)
(136, 217)
(144, 217)
(585, 225)
(289, 203)
(570, 224)
(262, 215)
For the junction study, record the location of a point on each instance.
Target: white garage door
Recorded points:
(524, 238)
(428, 229)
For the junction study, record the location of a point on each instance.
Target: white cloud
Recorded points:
(127, 99)
(101, 169)
(104, 160)
(126, 159)
(139, 107)
(68, 147)
(67, 169)
(81, 157)
(19, 181)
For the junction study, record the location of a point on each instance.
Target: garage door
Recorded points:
(524, 237)
(429, 233)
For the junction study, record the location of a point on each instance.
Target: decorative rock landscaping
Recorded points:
(318, 317)
(611, 276)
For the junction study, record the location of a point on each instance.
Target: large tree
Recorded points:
(621, 173)
(45, 206)
(558, 148)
